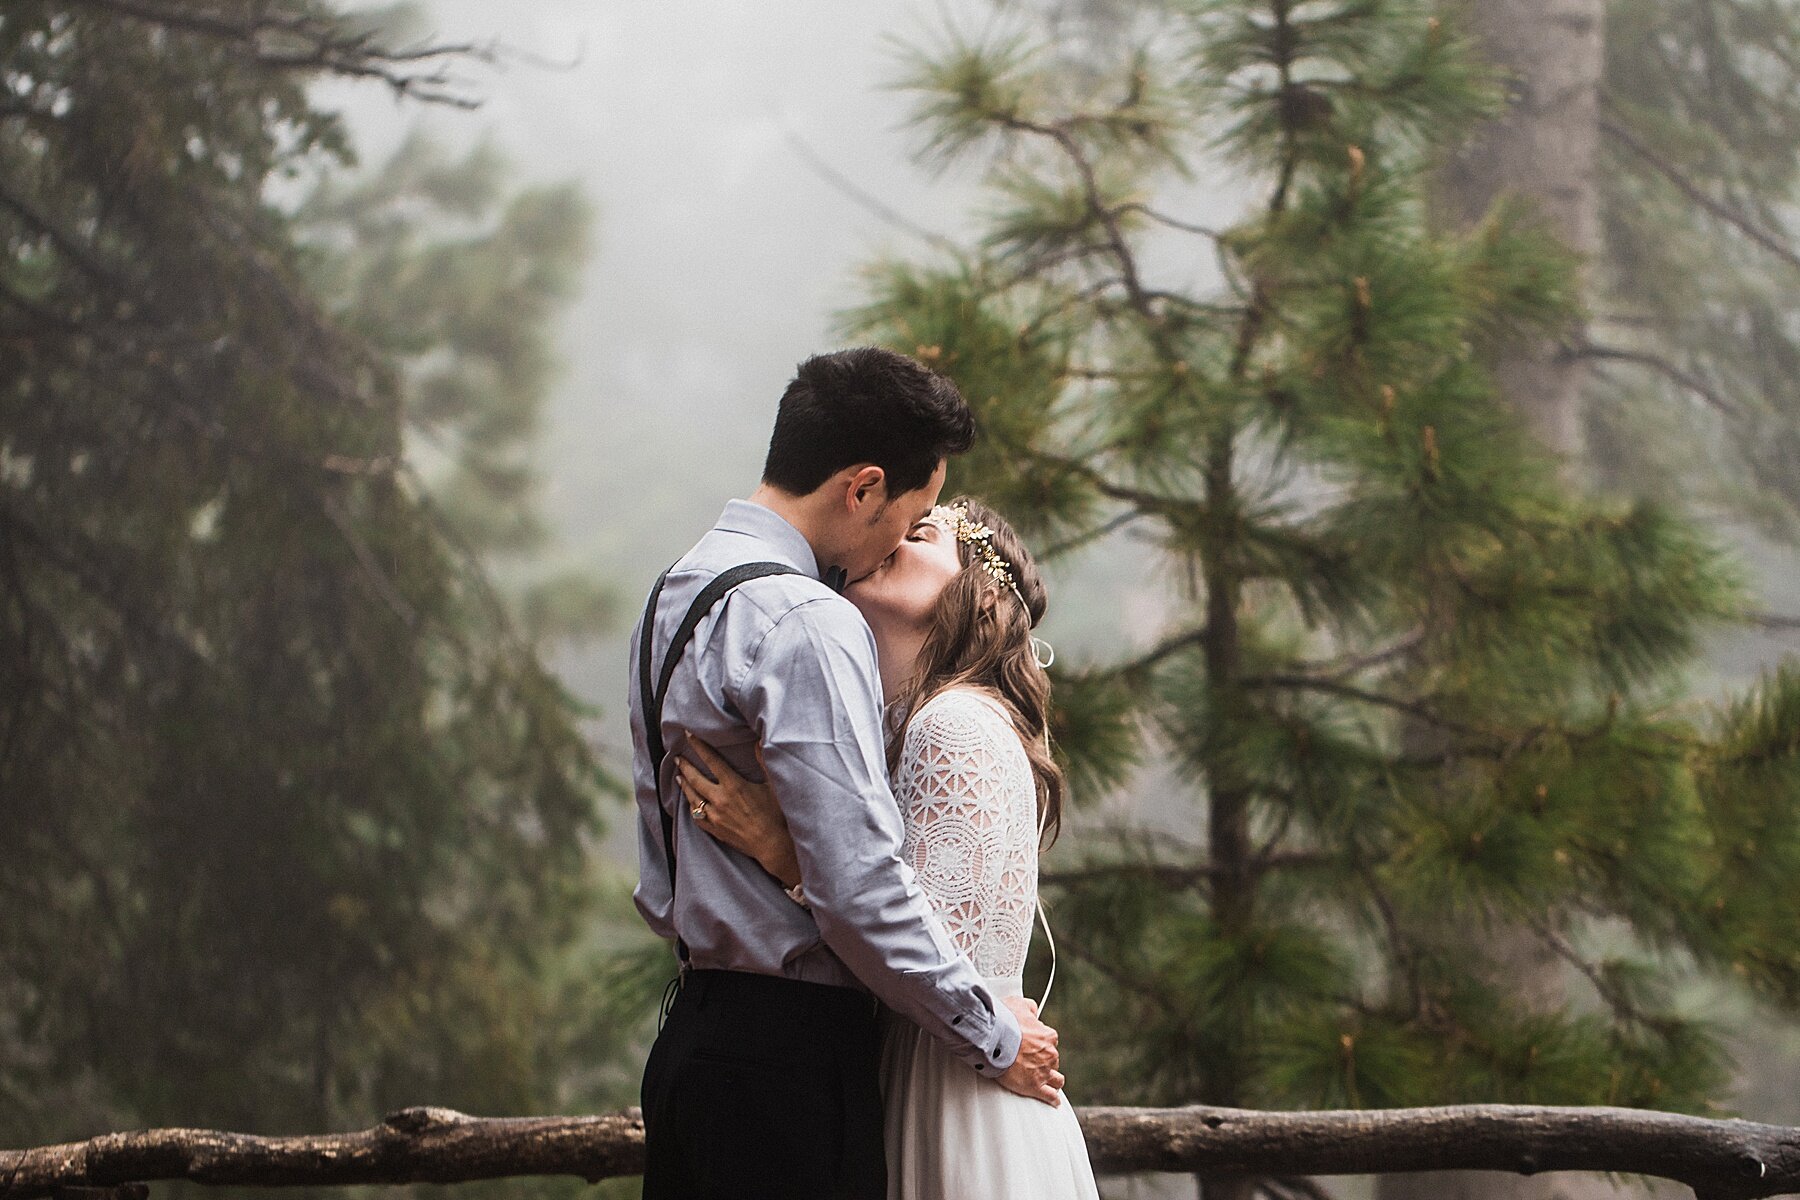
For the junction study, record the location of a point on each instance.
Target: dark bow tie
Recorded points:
(835, 578)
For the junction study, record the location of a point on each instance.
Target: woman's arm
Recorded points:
(952, 782)
(745, 816)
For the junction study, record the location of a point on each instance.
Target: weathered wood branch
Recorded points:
(1719, 1160)
(411, 1145)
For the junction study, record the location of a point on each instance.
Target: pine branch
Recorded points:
(1090, 294)
(1412, 708)
(1185, 875)
(1173, 644)
(432, 87)
(83, 565)
(1199, 307)
(365, 558)
(216, 23)
(1149, 503)
(1116, 977)
(1687, 379)
(248, 251)
(323, 45)
(249, 447)
(64, 242)
(1622, 1005)
(503, 626)
(1077, 540)
(1046, 261)
(844, 186)
(1719, 1160)
(1340, 668)
(1724, 212)
(1160, 218)
(1774, 622)
(1061, 135)
(1141, 301)
(1167, 874)
(1404, 950)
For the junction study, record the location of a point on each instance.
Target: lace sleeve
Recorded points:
(969, 799)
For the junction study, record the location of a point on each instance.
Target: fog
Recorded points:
(703, 133)
(719, 255)
(742, 166)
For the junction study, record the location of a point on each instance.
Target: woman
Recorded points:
(952, 611)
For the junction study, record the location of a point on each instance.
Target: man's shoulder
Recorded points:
(765, 598)
(799, 603)
(797, 628)
(789, 597)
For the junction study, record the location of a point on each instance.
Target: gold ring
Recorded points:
(698, 812)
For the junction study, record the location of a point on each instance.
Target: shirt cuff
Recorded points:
(1002, 1047)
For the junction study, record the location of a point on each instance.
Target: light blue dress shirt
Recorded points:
(786, 661)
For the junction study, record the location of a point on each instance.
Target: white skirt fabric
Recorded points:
(953, 1135)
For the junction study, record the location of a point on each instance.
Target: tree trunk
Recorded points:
(1545, 148)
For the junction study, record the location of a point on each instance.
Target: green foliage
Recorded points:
(1095, 731)
(299, 821)
(1411, 682)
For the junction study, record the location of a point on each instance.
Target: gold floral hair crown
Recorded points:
(966, 529)
(981, 539)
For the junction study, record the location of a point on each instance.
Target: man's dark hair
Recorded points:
(866, 405)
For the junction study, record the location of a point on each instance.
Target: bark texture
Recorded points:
(1719, 1160)
(1546, 147)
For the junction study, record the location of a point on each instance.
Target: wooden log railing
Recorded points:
(1718, 1159)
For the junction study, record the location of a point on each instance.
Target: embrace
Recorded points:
(843, 778)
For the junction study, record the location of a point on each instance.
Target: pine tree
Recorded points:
(295, 818)
(1413, 681)
(456, 281)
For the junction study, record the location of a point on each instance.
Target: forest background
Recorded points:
(732, 198)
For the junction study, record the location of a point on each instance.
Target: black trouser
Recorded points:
(763, 1087)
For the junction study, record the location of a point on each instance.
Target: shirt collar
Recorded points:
(785, 543)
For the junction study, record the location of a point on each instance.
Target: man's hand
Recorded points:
(1034, 1072)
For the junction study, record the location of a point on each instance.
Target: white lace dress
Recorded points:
(966, 789)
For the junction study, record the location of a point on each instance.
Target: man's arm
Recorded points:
(812, 694)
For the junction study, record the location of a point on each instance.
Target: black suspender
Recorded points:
(653, 697)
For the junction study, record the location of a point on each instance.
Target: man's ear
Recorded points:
(864, 485)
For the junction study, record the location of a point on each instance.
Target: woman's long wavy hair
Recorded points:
(980, 636)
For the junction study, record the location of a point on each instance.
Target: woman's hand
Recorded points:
(743, 815)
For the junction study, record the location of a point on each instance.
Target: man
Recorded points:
(762, 1081)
